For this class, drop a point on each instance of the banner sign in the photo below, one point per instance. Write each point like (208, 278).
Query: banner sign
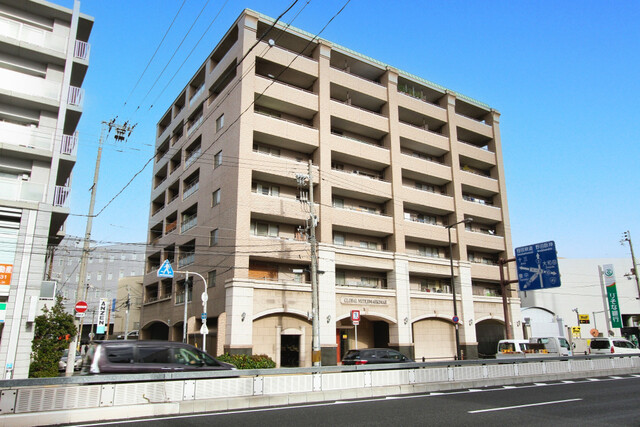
(5, 274)
(612, 296)
(102, 315)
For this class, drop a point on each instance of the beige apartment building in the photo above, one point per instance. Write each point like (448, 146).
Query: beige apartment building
(44, 56)
(394, 159)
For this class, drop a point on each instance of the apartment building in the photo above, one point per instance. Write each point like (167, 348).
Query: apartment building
(44, 56)
(394, 160)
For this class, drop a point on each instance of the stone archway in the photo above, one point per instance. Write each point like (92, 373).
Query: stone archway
(155, 331)
(434, 339)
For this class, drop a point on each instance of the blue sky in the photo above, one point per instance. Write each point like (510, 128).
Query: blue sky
(565, 77)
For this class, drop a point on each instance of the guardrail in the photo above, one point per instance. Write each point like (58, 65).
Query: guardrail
(92, 398)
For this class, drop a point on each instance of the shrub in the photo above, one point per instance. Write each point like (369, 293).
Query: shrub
(243, 361)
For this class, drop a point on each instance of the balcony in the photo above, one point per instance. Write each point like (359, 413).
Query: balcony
(186, 259)
(81, 50)
(353, 218)
(26, 136)
(193, 156)
(190, 189)
(481, 210)
(188, 223)
(76, 96)
(13, 189)
(416, 133)
(475, 180)
(479, 154)
(288, 58)
(61, 196)
(427, 198)
(69, 144)
(26, 34)
(23, 84)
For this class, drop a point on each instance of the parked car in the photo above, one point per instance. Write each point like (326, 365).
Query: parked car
(374, 355)
(520, 348)
(611, 345)
(119, 356)
(62, 364)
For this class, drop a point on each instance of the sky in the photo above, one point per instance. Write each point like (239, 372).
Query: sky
(563, 75)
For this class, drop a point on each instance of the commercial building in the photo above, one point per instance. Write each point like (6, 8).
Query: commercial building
(44, 57)
(107, 265)
(394, 159)
(579, 309)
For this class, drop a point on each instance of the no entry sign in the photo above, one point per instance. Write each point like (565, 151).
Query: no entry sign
(81, 307)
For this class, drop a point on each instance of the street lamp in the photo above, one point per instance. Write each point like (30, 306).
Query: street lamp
(453, 284)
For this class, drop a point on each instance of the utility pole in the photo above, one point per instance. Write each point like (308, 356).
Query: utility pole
(126, 321)
(626, 237)
(121, 130)
(316, 356)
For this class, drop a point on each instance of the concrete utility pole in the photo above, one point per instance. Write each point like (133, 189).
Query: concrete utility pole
(121, 130)
(126, 322)
(626, 237)
(316, 352)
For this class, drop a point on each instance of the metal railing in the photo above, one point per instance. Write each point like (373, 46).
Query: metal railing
(76, 96)
(81, 50)
(61, 196)
(69, 144)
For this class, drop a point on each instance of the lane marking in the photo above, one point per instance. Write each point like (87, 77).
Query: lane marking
(539, 384)
(509, 386)
(474, 390)
(568, 382)
(615, 378)
(593, 379)
(506, 408)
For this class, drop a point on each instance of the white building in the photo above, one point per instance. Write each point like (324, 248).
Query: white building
(582, 292)
(44, 56)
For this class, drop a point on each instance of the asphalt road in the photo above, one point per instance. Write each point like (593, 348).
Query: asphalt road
(608, 401)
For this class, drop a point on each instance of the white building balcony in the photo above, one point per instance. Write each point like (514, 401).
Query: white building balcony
(69, 144)
(82, 50)
(18, 190)
(76, 96)
(31, 35)
(24, 84)
(61, 196)
(26, 136)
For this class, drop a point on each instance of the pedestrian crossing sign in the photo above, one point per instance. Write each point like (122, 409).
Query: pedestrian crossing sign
(165, 269)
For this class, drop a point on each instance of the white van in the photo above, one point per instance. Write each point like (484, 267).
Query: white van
(557, 346)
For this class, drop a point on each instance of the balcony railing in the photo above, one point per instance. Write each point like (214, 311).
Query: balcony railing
(170, 226)
(31, 35)
(81, 50)
(193, 156)
(196, 95)
(186, 259)
(69, 144)
(26, 136)
(194, 124)
(76, 96)
(188, 223)
(14, 189)
(61, 196)
(190, 189)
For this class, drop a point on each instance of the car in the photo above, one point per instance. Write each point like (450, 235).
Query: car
(125, 357)
(612, 345)
(62, 364)
(367, 356)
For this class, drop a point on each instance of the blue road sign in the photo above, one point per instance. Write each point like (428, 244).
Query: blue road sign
(203, 316)
(165, 269)
(537, 266)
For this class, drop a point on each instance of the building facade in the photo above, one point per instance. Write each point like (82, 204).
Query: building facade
(393, 159)
(44, 58)
(107, 265)
(582, 292)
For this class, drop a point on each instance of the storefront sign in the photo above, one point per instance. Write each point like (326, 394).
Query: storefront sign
(584, 319)
(5, 274)
(612, 296)
(364, 301)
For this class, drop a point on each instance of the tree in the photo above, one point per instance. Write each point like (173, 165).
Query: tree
(54, 327)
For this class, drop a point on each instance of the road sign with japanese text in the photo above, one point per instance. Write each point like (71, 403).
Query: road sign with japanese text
(537, 266)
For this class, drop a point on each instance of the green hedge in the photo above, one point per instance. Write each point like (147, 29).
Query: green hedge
(242, 361)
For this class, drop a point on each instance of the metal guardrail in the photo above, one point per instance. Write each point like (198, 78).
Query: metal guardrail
(66, 399)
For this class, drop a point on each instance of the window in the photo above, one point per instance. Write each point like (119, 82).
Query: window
(109, 276)
(217, 159)
(219, 122)
(215, 198)
(264, 229)
(98, 276)
(428, 251)
(368, 245)
(425, 187)
(91, 260)
(338, 202)
(266, 189)
(264, 149)
(339, 239)
(111, 258)
(123, 257)
(213, 237)
(340, 278)
(121, 274)
(211, 279)
(88, 277)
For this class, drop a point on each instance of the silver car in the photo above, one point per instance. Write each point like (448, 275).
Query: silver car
(611, 345)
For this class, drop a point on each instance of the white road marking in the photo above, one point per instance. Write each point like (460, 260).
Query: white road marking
(592, 379)
(538, 384)
(568, 382)
(505, 408)
(509, 386)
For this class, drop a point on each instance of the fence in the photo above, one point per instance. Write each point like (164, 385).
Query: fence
(92, 398)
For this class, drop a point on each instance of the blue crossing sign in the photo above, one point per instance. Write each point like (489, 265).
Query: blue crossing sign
(165, 269)
(537, 266)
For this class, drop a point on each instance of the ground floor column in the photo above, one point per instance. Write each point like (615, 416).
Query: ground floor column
(327, 305)
(239, 318)
(400, 335)
(468, 340)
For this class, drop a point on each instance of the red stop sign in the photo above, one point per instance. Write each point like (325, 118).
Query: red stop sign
(81, 306)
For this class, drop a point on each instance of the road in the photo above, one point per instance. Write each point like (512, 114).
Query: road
(584, 402)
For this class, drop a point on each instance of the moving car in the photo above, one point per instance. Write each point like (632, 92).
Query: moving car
(611, 345)
(557, 346)
(374, 355)
(62, 364)
(126, 357)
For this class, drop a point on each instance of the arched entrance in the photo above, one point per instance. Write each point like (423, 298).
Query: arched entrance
(434, 339)
(372, 333)
(155, 331)
(285, 338)
(488, 333)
